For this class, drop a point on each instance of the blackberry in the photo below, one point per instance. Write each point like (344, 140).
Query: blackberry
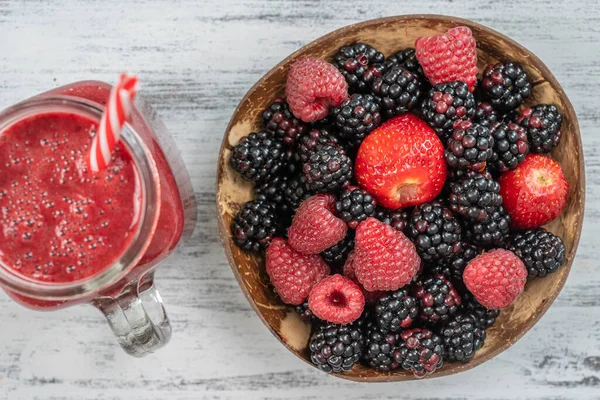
(296, 192)
(336, 348)
(446, 103)
(254, 226)
(475, 196)
(437, 298)
(399, 90)
(274, 191)
(506, 85)
(356, 117)
(421, 352)
(355, 205)
(542, 123)
(406, 59)
(486, 115)
(469, 146)
(360, 64)
(454, 267)
(337, 254)
(328, 169)
(258, 157)
(484, 318)
(492, 232)
(397, 219)
(396, 311)
(305, 312)
(541, 251)
(462, 338)
(380, 348)
(279, 121)
(308, 143)
(510, 147)
(435, 231)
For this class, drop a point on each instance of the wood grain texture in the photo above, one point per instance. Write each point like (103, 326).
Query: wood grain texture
(197, 59)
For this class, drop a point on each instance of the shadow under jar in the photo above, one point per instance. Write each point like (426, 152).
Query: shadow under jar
(70, 236)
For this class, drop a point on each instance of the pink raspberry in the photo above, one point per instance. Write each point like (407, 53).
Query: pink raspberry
(293, 274)
(315, 228)
(312, 87)
(348, 271)
(384, 258)
(495, 278)
(336, 299)
(449, 57)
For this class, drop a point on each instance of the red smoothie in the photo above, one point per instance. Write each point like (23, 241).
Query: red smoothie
(60, 222)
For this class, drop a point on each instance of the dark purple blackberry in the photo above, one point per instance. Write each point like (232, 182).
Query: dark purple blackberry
(461, 338)
(421, 352)
(305, 313)
(475, 196)
(454, 267)
(486, 115)
(328, 169)
(505, 85)
(356, 117)
(399, 91)
(255, 225)
(337, 254)
(492, 232)
(354, 205)
(541, 251)
(336, 348)
(406, 59)
(360, 64)
(446, 103)
(437, 298)
(279, 121)
(469, 146)
(396, 311)
(542, 123)
(307, 143)
(296, 192)
(273, 191)
(258, 157)
(510, 147)
(397, 219)
(435, 231)
(380, 348)
(484, 318)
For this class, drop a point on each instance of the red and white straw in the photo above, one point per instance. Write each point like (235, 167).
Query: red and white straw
(117, 112)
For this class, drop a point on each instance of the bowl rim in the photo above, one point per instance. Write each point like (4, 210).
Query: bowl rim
(545, 71)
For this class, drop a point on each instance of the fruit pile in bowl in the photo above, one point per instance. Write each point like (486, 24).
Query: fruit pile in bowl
(401, 196)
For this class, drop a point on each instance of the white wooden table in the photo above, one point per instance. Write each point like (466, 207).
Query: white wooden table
(196, 59)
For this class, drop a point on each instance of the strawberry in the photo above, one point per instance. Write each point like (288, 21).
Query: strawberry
(401, 163)
(535, 192)
(449, 57)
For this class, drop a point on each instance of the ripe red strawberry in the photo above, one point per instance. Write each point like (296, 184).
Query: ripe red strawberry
(312, 86)
(402, 163)
(449, 57)
(384, 259)
(336, 299)
(535, 192)
(495, 278)
(315, 227)
(293, 274)
(348, 271)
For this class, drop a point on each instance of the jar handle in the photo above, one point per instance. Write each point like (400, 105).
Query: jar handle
(137, 317)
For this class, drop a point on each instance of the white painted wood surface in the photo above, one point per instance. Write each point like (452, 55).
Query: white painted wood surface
(196, 59)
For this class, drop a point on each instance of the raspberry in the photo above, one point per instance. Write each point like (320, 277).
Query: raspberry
(312, 87)
(315, 228)
(495, 278)
(336, 299)
(449, 57)
(348, 270)
(384, 259)
(293, 274)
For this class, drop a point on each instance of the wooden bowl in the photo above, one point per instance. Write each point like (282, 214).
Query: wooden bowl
(389, 35)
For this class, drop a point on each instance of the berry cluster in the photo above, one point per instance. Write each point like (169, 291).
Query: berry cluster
(400, 237)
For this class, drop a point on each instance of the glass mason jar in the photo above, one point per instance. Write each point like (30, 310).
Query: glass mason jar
(123, 291)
